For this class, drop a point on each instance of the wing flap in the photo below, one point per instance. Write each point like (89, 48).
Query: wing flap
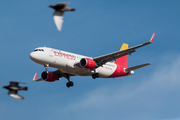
(112, 56)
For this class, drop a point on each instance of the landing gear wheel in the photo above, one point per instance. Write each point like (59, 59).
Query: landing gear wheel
(95, 75)
(69, 84)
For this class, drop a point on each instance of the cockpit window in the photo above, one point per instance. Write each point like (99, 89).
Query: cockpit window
(38, 50)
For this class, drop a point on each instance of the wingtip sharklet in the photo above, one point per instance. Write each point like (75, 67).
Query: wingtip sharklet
(35, 77)
(152, 38)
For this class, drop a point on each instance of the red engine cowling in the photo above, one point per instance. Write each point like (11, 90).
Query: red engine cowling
(87, 63)
(49, 77)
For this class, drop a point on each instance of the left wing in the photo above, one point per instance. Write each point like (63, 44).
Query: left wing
(113, 56)
(58, 73)
(35, 78)
(13, 93)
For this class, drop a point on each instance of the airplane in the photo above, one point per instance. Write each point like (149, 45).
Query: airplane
(60, 8)
(70, 64)
(14, 88)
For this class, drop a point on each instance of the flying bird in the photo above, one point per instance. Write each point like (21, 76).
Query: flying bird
(13, 89)
(60, 8)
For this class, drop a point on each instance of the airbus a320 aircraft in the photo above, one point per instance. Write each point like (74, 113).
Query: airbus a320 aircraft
(70, 64)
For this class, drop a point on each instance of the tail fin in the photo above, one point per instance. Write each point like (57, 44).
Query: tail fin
(123, 61)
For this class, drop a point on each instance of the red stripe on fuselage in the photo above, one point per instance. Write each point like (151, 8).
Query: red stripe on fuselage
(122, 64)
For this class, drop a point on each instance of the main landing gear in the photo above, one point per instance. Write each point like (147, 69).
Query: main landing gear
(95, 75)
(69, 83)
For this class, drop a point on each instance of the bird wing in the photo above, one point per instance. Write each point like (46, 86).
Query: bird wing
(62, 5)
(13, 93)
(14, 83)
(58, 19)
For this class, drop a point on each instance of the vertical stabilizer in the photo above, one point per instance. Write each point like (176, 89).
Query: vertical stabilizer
(123, 61)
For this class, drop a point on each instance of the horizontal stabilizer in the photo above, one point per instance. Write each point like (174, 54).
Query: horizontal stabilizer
(136, 67)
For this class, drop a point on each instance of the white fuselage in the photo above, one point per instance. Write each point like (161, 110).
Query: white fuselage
(68, 62)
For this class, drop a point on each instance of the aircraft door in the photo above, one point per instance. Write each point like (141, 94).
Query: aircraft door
(51, 53)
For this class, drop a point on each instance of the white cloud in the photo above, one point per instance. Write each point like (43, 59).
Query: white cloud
(156, 97)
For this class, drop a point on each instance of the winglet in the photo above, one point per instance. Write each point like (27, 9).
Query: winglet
(35, 77)
(152, 38)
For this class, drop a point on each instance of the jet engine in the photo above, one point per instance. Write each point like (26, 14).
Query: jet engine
(49, 77)
(87, 63)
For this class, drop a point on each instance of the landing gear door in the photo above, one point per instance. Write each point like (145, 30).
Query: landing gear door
(51, 53)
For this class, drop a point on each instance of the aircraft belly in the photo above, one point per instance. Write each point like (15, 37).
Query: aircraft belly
(105, 71)
(78, 71)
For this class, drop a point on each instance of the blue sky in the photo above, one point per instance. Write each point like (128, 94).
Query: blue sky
(95, 28)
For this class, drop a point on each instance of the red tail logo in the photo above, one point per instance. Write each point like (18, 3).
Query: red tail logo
(122, 63)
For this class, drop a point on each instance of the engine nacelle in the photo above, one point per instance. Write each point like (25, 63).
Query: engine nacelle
(49, 77)
(87, 63)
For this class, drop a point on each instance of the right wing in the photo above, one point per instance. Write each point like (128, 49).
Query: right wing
(113, 56)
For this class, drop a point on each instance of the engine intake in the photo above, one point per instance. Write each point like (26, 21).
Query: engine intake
(87, 63)
(49, 77)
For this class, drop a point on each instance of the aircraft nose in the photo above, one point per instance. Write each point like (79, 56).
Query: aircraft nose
(36, 57)
(33, 56)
